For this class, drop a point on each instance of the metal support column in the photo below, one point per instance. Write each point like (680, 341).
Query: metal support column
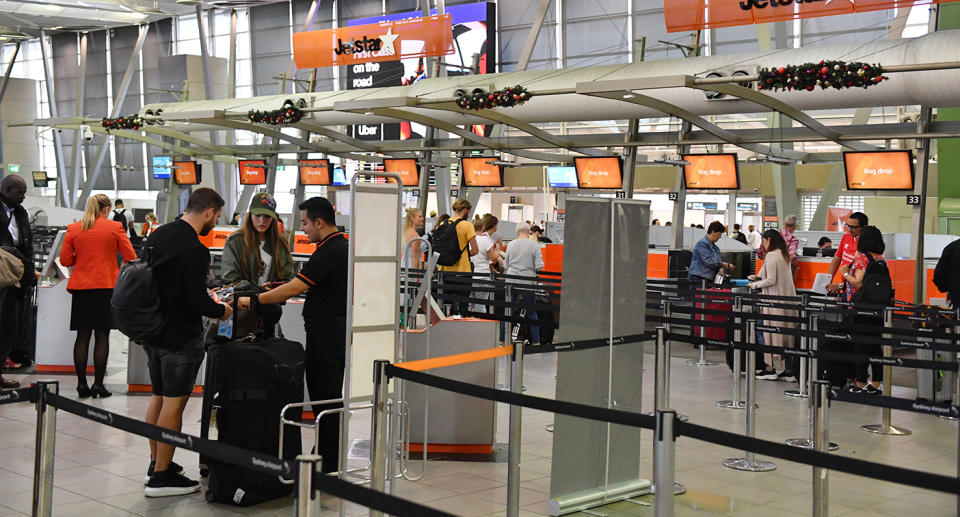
(44, 450)
(308, 504)
(62, 196)
(230, 190)
(94, 173)
(532, 35)
(516, 415)
(920, 212)
(630, 164)
(6, 73)
(77, 133)
(680, 205)
(218, 179)
(885, 426)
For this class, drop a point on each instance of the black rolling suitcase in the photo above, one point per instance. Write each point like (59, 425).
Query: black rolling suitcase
(247, 383)
(548, 320)
(24, 349)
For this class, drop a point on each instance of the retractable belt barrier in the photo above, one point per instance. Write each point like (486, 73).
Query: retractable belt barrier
(259, 462)
(895, 403)
(28, 394)
(858, 467)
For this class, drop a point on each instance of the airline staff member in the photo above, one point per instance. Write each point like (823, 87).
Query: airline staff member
(847, 249)
(324, 278)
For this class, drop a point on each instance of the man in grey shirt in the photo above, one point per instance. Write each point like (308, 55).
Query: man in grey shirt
(524, 259)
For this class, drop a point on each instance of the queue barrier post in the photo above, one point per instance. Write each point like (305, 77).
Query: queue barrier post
(378, 437)
(665, 400)
(886, 425)
(735, 402)
(307, 503)
(813, 344)
(661, 402)
(702, 360)
(664, 457)
(821, 439)
(513, 447)
(804, 361)
(749, 462)
(44, 450)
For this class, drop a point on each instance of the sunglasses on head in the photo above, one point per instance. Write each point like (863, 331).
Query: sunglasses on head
(852, 227)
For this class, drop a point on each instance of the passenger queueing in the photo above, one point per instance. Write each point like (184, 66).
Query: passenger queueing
(485, 260)
(412, 220)
(16, 237)
(467, 239)
(776, 278)
(706, 261)
(258, 251)
(180, 265)
(791, 240)
(946, 276)
(524, 259)
(324, 279)
(91, 247)
(870, 248)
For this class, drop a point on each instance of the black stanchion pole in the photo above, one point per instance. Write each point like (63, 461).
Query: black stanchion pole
(307, 503)
(44, 450)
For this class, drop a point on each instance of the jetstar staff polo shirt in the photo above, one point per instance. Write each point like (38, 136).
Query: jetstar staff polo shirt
(326, 274)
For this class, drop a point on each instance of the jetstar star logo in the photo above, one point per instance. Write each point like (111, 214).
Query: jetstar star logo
(357, 46)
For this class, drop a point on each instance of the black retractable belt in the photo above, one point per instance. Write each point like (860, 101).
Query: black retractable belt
(902, 404)
(28, 394)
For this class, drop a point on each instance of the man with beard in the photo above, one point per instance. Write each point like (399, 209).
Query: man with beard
(180, 265)
(17, 238)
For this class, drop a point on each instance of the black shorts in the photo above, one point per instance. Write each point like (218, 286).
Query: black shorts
(174, 372)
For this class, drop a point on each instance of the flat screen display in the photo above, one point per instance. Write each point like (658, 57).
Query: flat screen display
(878, 170)
(186, 173)
(407, 168)
(40, 178)
(162, 165)
(478, 173)
(603, 172)
(562, 177)
(340, 177)
(711, 172)
(253, 172)
(314, 172)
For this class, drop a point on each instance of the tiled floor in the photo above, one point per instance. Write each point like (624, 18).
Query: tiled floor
(99, 470)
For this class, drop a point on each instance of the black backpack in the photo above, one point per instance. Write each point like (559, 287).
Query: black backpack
(118, 216)
(445, 242)
(877, 288)
(135, 303)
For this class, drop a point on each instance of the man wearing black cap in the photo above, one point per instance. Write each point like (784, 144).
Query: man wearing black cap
(324, 278)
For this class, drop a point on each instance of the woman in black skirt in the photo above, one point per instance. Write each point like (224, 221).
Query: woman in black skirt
(91, 246)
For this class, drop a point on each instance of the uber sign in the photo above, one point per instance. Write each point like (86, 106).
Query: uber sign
(729, 72)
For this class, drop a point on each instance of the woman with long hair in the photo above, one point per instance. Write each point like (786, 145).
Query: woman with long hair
(776, 278)
(411, 221)
(485, 260)
(91, 247)
(257, 252)
(870, 248)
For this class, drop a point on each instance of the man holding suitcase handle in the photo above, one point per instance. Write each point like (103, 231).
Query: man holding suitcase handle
(324, 279)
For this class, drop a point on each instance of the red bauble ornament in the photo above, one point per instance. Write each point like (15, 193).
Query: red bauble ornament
(824, 70)
(781, 70)
(809, 88)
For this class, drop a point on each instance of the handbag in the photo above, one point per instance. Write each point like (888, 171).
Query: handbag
(11, 268)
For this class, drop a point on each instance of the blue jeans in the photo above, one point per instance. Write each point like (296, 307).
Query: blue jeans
(529, 298)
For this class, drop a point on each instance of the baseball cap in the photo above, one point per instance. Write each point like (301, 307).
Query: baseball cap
(263, 204)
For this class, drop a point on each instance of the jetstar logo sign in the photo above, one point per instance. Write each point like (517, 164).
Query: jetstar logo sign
(385, 41)
(746, 5)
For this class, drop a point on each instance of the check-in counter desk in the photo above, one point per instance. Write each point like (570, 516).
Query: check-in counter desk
(457, 423)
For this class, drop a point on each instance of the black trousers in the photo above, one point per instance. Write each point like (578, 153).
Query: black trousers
(11, 307)
(324, 371)
(871, 349)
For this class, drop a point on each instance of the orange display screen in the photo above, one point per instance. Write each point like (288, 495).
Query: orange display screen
(186, 173)
(314, 172)
(605, 172)
(253, 172)
(478, 173)
(384, 41)
(407, 168)
(711, 172)
(879, 170)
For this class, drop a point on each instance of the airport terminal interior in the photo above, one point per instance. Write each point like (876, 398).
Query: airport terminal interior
(435, 258)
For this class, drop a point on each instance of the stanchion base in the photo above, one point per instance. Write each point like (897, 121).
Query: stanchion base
(697, 362)
(678, 489)
(881, 429)
(951, 418)
(743, 464)
(729, 404)
(806, 443)
(795, 393)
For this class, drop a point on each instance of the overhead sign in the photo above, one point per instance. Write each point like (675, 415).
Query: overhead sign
(701, 205)
(603, 172)
(478, 173)
(385, 41)
(314, 172)
(253, 172)
(878, 170)
(692, 15)
(748, 207)
(407, 168)
(912, 199)
(186, 173)
(711, 172)
(13, 167)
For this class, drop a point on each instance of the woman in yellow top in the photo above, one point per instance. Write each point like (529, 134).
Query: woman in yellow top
(467, 238)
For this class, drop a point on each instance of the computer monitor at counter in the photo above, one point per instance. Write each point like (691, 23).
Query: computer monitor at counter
(818, 252)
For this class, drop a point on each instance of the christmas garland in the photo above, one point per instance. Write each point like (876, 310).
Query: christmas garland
(289, 113)
(825, 74)
(133, 122)
(479, 99)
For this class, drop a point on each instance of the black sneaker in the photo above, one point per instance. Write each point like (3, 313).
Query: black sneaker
(164, 483)
(787, 376)
(855, 389)
(174, 467)
(766, 375)
(869, 389)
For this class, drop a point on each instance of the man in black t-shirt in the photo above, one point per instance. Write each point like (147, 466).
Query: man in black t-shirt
(324, 278)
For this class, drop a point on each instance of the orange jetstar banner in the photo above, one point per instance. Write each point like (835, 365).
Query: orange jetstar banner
(711, 171)
(879, 170)
(691, 15)
(384, 41)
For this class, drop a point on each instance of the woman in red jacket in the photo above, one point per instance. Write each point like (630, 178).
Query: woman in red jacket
(91, 247)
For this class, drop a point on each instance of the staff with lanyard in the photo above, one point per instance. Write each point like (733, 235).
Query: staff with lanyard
(324, 279)
(847, 251)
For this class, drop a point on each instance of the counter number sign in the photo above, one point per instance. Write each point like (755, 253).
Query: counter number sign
(673, 196)
(913, 200)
